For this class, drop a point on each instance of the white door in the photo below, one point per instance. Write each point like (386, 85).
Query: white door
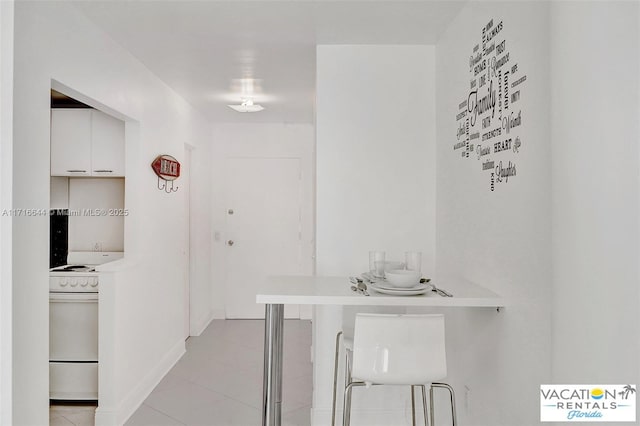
(264, 229)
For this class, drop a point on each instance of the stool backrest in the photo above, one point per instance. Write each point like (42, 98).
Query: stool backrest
(399, 349)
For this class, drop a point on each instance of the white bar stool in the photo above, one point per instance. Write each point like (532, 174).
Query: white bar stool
(397, 350)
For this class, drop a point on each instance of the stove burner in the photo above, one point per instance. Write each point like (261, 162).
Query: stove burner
(75, 268)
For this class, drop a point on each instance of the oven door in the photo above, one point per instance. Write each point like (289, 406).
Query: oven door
(73, 327)
(73, 346)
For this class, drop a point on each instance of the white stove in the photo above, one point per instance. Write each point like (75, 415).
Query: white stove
(73, 326)
(79, 275)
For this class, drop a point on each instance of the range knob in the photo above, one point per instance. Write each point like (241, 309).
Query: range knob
(63, 282)
(74, 282)
(94, 282)
(84, 282)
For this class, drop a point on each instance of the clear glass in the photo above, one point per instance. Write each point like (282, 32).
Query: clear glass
(413, 260)
(376, 263)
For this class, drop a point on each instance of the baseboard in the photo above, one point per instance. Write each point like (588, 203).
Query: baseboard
(132, 401)
(201, 324)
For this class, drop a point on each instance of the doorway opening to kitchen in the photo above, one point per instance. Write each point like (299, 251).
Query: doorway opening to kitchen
(86, 229)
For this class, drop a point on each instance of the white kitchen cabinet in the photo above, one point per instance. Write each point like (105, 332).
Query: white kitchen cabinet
(107, 145)
(86, 142)
(70, 142)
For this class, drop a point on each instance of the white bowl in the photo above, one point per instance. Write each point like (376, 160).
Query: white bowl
(402, 278)
(390, 265)
(383, 266)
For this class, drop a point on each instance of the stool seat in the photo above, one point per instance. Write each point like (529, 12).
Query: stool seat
(395, 350)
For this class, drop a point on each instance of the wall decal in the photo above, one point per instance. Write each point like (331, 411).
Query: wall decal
(489, 120)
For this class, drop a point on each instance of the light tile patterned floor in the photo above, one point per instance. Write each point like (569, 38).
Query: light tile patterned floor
(218, 382)
(70, 414)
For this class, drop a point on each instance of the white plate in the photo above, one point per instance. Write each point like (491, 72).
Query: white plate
(398, 292)
(370, 277)
(382, 282)
(386, 286)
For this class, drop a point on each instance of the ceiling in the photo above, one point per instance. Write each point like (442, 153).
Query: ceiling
(210, 52)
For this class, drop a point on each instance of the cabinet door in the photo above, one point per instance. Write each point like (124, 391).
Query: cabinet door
(107, 152)
(70, 142)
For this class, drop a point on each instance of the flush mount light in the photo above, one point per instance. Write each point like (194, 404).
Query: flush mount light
(247, 105)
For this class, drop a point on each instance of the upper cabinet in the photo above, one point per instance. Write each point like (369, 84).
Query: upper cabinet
(71, 142)
(86, 142)
(107, 145)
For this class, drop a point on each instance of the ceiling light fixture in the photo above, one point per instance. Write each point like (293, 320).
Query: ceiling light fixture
(247, 105)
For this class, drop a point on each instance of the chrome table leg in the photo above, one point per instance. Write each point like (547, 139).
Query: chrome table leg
(272, 379)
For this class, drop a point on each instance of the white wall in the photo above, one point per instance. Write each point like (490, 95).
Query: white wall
(101, 233)
(499, 239)
(53, 41)
(375, 172)
(295, 140)
(595, 134)
(6, 179)
(375, 129)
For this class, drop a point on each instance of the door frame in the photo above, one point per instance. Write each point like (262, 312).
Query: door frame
(187, 329)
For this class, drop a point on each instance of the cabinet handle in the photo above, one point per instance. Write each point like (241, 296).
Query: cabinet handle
(103, 171)
(77, 171)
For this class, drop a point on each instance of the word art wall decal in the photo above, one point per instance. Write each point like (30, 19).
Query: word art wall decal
(489, 118)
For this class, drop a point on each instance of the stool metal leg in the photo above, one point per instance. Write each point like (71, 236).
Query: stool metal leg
(413, 405)
(335, 379)
(348, 384)
(346, 418)
(346, 415)
(452, 396)
(424, 404)
(431, 404)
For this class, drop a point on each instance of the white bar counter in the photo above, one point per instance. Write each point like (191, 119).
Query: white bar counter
(336, 291)
(306, 290)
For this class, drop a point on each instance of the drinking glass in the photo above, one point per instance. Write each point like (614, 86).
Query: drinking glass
(413, 260)
(376, 263)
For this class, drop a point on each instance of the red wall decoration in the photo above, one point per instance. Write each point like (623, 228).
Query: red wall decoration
(167, 168)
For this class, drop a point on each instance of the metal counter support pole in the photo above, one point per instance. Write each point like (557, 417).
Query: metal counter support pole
(272, 380)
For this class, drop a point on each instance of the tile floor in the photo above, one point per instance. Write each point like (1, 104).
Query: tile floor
(218, 382)
(67, 414)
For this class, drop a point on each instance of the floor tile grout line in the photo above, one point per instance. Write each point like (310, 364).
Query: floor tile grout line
(73, 423)
(164, 414)
(242, 402)
(305, 403)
